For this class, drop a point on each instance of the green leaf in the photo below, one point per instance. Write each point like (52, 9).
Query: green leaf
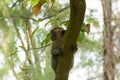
(51, 20)
(39, 20)
(45, 1)
(46, 40)
(65, 23)
(34, 2)
(53, 1)
(21, 47)
(14, 52)
(35, 31)
(81, 36)
(83, 27)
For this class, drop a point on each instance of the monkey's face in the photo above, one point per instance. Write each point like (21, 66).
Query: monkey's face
(57, 33)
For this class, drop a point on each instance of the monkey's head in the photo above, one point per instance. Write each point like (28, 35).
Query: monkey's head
(57, 33)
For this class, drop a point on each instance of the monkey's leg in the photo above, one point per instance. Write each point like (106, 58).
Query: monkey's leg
(54, 62)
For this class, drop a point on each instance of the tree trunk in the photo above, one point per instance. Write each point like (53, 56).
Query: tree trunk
(109, 57)
(65, 62)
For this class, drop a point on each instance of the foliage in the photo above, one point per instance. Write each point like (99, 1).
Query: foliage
(25, 38)
(90, 20)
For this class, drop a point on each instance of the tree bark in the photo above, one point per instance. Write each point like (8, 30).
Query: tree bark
(109, 57)
(65, 62)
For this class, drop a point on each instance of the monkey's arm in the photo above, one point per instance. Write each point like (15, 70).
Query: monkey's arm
(57, 51)
(74, 48)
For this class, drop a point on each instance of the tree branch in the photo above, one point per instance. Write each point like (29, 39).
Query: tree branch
(59, 11)
(28, 17)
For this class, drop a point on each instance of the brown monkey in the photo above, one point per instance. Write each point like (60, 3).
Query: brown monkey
(57, 44)
(57, 35)
(57, 40)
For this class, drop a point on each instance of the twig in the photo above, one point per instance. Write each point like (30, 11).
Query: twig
(18, 16)
(20, 37)
(14, 4)
(59, 11)
(40, 47)
(27, 17)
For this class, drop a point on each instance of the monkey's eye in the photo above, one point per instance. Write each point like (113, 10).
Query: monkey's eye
(53, 36)
(63, 32)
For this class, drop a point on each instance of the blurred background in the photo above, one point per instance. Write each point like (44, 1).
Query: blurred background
(25, 39)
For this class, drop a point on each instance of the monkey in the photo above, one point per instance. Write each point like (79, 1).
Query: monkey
(57, 35)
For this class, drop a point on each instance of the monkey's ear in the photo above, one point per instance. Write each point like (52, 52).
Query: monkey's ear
(51, 31)
(63, 32)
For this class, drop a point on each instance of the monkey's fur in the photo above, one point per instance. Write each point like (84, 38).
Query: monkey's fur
(57, 35)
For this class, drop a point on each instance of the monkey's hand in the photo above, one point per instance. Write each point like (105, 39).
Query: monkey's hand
(57, 51)
(74, 48)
